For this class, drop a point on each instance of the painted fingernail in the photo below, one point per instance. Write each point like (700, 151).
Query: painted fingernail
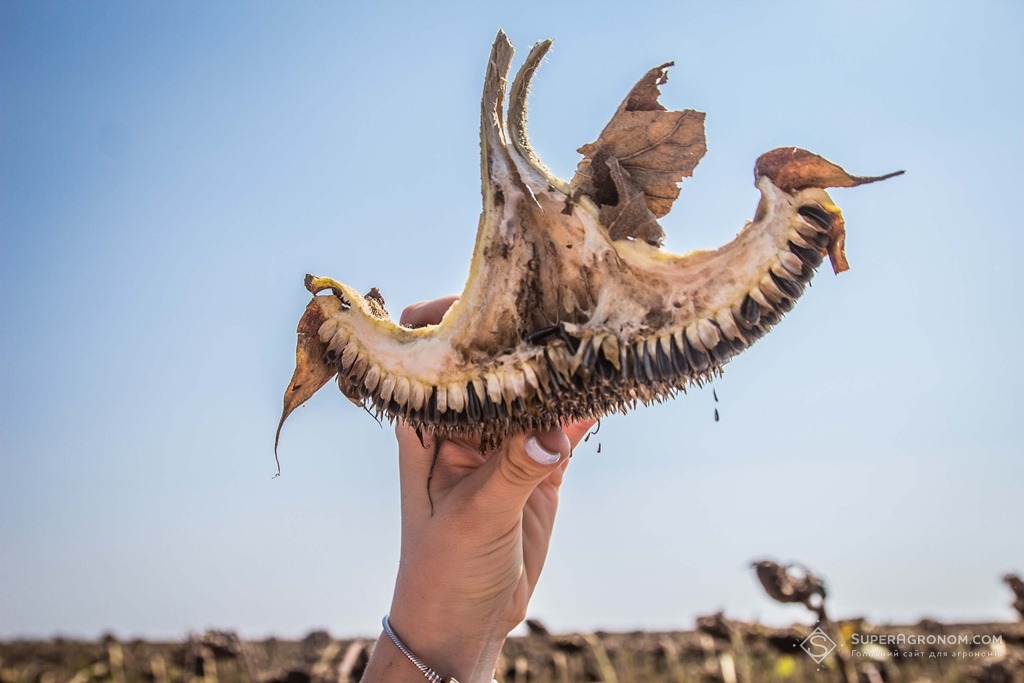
(539, 453)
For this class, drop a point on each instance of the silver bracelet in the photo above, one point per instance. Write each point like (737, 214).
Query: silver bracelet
(431, 675)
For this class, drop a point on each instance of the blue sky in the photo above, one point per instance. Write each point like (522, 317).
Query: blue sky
(170, 171)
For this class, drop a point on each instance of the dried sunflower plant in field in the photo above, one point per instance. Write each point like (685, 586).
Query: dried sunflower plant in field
(572, 309)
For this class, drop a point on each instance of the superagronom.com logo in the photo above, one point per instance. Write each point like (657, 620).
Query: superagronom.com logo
(818, 646)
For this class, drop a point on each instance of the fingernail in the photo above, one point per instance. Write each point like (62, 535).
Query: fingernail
(539, 453)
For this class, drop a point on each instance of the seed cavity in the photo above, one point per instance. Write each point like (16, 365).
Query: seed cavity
(696, 356)
(792, 264)
(708, 333)
(788, 287)
(402, 389)
(328, 330)
(809, 256)
(817, 215)
(750, 311)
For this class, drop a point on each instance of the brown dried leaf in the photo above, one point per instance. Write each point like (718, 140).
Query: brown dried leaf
(656, 147)
(793, 169)
(630, 216)
(312, 370)
(836, 249)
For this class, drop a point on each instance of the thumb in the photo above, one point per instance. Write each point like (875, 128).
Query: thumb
(523, 462)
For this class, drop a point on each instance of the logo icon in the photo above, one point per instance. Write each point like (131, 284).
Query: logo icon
(818, 645)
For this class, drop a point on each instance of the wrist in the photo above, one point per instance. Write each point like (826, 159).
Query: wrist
(457, 618)
(449, 646)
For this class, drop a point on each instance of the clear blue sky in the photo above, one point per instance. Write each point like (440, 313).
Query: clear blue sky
(169, 171)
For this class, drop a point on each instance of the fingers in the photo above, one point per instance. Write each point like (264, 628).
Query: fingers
(429, 467)
(414, 457)
(510, 476)
(426, 312)
(506, 478)
(538, 521)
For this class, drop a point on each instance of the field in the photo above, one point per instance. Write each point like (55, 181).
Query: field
(719, 650)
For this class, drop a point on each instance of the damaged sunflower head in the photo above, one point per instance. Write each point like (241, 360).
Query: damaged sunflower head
(572, 310)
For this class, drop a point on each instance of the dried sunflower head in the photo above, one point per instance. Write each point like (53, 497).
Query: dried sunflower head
(572, 310)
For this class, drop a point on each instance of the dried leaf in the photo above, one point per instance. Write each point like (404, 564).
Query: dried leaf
(312, 370)
(836, 249)
(630, 216)
(656, 147)
(793, 169)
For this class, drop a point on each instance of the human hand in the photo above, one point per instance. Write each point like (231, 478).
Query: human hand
(473, 546)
